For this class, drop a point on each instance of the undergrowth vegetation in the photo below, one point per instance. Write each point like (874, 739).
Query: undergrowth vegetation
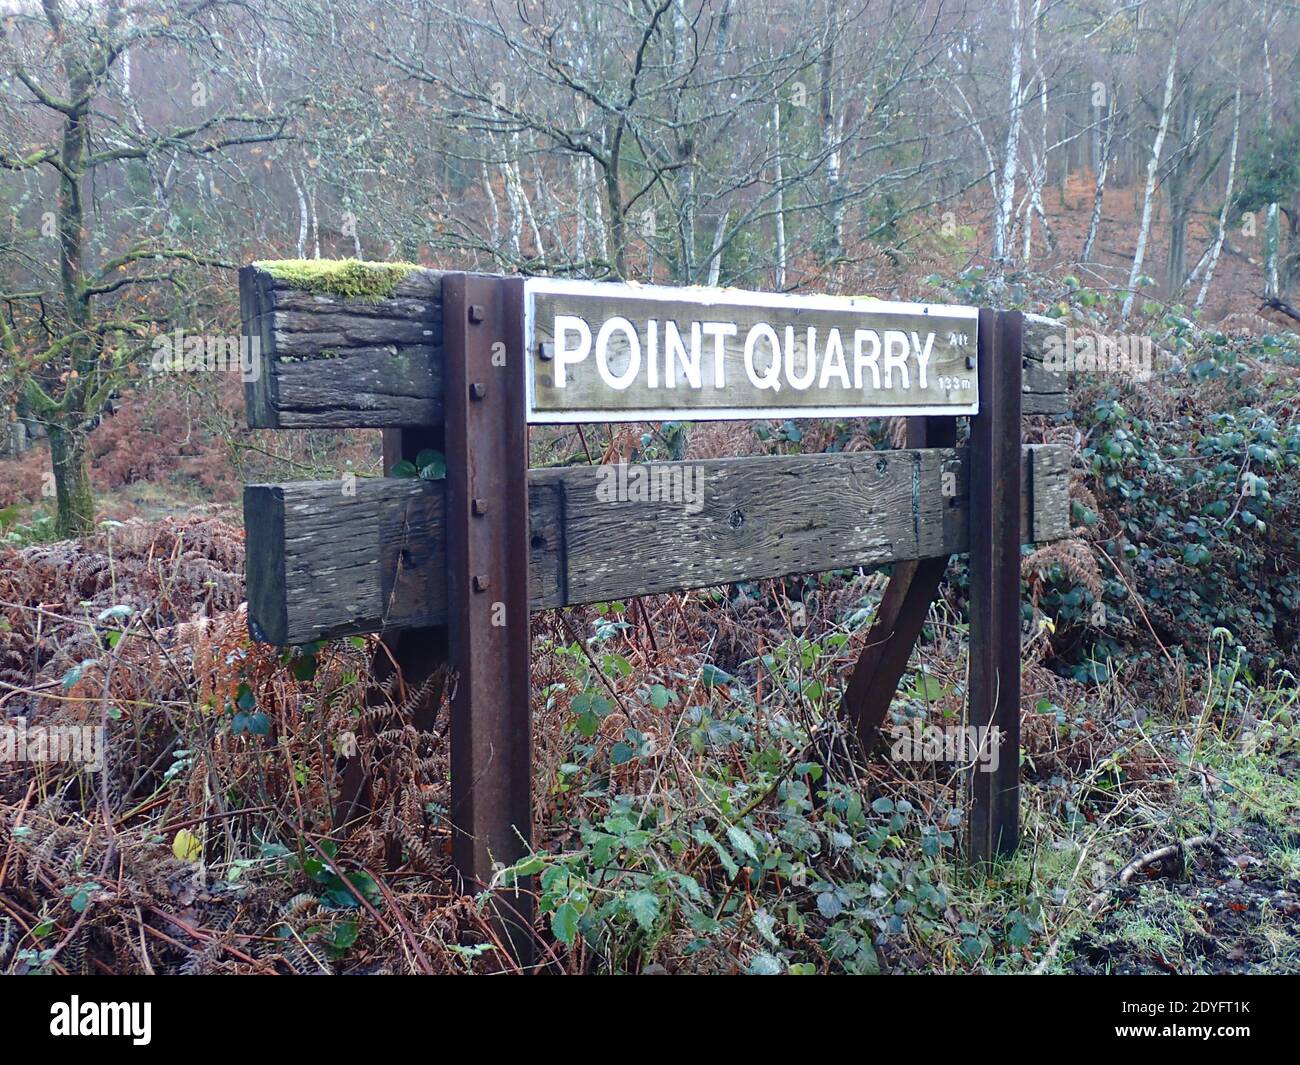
(699, 807)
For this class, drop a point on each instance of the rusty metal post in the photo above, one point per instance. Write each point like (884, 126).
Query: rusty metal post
(994, 687)
(487, 585)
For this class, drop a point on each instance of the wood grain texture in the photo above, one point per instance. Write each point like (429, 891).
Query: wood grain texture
(913, 586)
(1043, 391)
(328, 362)
(1046, 472)
(377, 560)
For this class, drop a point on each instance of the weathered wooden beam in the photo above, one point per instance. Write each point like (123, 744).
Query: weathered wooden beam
(328, 361)
(376, 559)
(913, 586)
(331, 361)
(1043, 391)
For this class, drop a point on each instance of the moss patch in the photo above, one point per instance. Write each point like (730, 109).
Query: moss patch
(350, 278)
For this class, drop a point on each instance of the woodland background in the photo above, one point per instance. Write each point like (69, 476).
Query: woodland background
(1130, 167)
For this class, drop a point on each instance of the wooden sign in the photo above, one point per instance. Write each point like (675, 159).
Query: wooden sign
(604, 352)
(449, 570)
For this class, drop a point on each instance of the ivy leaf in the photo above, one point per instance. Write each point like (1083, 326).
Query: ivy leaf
(79, 895)
(431, 464)
(742, 842)
(971, 948)
(711, 676)
(1019, 934)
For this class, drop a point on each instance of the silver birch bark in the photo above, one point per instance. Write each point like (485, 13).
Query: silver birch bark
(779, 218)
(1148, 198)
(1011, 150)
(1217, 247)
(1099, 188)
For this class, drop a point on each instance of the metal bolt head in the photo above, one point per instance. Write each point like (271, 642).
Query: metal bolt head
(478, 390)
(476, 312)
(970, 362)
(481, 582)
(479, 506)
(546, 351)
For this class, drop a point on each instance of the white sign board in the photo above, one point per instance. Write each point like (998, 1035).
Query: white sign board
(616, 352)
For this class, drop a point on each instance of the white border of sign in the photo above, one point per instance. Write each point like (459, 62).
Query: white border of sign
(710, 297)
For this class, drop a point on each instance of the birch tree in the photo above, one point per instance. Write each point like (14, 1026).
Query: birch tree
(1006, 189)
(1153, 164)
(1210, 258)
(1106, 139)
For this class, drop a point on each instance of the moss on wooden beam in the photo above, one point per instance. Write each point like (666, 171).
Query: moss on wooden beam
(348, 278)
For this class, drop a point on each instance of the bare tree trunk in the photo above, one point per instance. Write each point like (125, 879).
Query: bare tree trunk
(1179, 191)
(684, 178)
(16, 441)
(302, 214)
(315, 220)
(356, 232)
(1148, 199)
(1217, 247)
(830, 143)
(156, 179)
(494, 223)
(1272, 286)
(1272, 241)
(598, 206)
(74, 499)
(580, 214)
(715, 257)
(778, 279)
(516, 214)
(1011, 152)
(519, 198)
(617, 221)
(529, 216)
(1099, 188)
(1038, 176)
